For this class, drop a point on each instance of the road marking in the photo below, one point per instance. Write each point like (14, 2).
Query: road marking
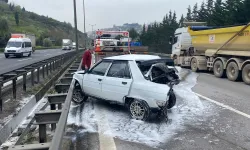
(106, 142)
(24, 59)
(224, 106)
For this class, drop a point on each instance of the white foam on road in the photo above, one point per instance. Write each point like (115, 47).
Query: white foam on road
(118, 124)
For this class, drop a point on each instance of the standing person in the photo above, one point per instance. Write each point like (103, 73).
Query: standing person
(87, 59)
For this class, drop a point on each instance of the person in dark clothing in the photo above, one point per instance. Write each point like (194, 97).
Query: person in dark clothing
(87, 59)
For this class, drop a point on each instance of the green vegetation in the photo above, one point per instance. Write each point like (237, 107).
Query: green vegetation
(18, 20)
(214, 12)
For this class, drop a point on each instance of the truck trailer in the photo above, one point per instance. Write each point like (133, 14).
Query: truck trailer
(223, 50)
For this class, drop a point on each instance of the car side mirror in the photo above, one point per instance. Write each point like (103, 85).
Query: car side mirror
(170, 40)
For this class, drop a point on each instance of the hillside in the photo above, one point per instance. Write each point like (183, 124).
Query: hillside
(41, 26)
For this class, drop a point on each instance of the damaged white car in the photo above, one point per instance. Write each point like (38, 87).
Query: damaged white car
(143, 83)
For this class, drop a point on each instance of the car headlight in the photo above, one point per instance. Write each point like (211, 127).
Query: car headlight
(160, 103)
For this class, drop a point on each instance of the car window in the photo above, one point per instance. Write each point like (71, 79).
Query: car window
(119, 69)
(100, 69)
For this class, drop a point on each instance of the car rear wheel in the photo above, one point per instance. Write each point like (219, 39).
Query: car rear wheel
(139, 110)
(78, 95)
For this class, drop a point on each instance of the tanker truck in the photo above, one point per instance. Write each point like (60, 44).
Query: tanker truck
(223, 50)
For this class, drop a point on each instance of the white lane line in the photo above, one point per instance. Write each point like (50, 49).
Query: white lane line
(224, 106)
(106, 142)
(24, 59)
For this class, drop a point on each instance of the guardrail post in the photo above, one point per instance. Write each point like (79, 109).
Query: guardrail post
(42, 133)
(1, 100)
(14, 87)
(32, 77)
(59, 106)
(24, 82)
(47, 69)
(38, 74)
(50, 67)
(53, 107)
(43, 71)
(53, 65)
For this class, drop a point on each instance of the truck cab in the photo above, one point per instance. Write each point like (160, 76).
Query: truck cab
(180, 42)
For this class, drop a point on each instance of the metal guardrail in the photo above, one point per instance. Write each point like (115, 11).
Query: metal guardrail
(45, 67)
(57, 118)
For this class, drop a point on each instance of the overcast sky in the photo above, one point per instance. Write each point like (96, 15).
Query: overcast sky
(106, 13)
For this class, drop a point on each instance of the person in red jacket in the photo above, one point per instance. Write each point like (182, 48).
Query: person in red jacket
(87, 59)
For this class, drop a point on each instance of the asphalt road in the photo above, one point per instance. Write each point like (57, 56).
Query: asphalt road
(217, 119)
(12, 63)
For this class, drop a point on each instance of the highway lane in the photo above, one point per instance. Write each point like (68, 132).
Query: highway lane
(12, 63)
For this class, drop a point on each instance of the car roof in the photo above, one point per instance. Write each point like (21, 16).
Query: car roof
(136, 57)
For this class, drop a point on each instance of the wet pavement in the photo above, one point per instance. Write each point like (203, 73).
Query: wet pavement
(194, 123)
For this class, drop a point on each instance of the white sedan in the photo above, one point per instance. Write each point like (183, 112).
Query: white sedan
(143, 83)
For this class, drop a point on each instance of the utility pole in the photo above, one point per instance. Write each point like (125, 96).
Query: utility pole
(85, 24)
(92, 29)
(76, 30)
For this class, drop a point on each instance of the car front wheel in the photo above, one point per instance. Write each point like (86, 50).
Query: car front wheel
(139, 110)
(78, 95)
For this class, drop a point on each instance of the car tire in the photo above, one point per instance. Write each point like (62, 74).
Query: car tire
(137, 114)
(171, 100)
(78, 95)
(6, 56)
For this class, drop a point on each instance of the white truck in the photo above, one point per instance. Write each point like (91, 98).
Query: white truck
(223, 50)
(67, 44)
(20, 45)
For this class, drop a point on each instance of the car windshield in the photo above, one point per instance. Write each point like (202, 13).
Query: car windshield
(14, 44)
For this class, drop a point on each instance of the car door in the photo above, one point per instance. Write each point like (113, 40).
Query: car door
(116, 83)
(92, 81)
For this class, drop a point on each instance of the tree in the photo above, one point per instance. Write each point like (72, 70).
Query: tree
(6, 1)
(189, 13)
(195, 12)
(17, 18)
(133, 33)
(181, 21)
(23, 9)
(4, 31)
(47, 42)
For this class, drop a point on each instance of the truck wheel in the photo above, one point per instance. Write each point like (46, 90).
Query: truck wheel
(246, 74)
(219, 69)
(233, 71)
(171, 101)
(194, 65)
(139, 110)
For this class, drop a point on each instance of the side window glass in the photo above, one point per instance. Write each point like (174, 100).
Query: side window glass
(175, 39)
(100, 69)
(119, 69)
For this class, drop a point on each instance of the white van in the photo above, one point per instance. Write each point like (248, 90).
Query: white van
(18, 47)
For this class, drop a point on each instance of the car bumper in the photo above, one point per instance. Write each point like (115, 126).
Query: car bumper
(12, 53)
